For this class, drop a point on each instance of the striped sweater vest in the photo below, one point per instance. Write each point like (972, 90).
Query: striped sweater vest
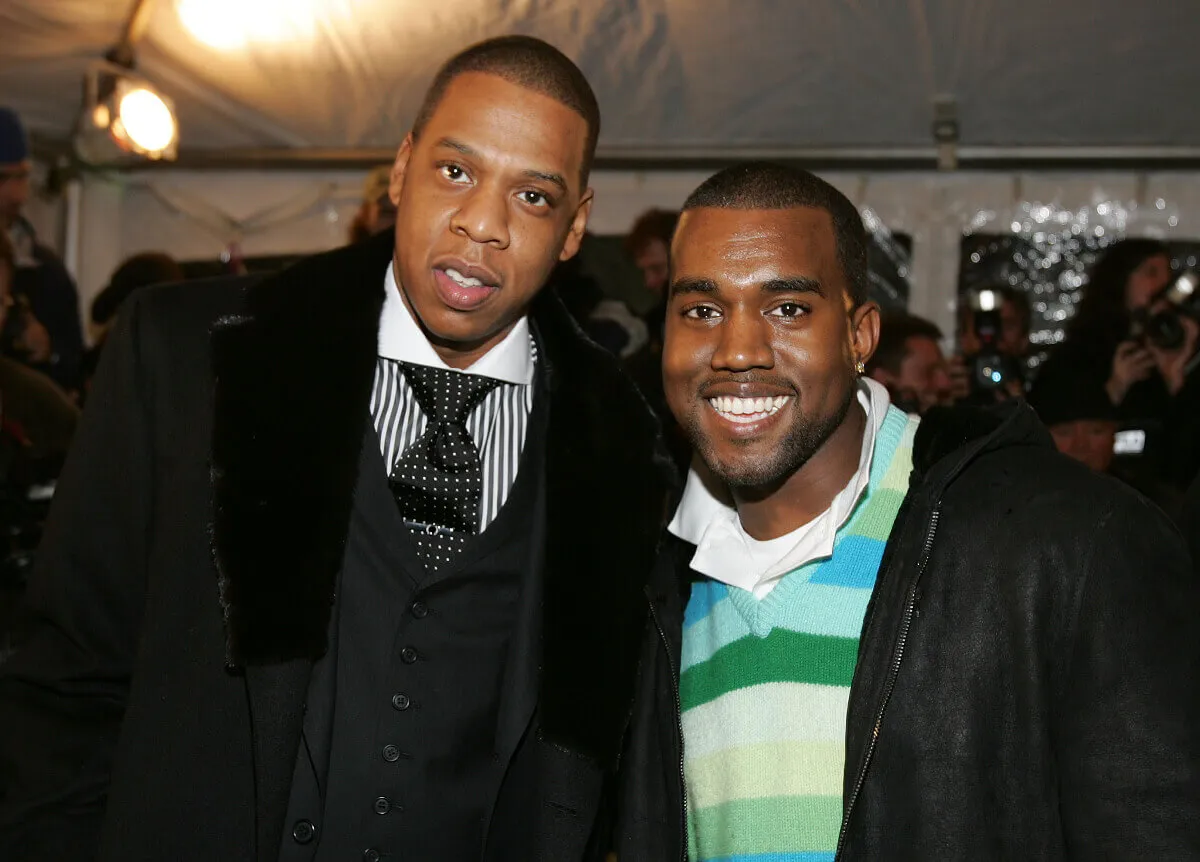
(765, 685)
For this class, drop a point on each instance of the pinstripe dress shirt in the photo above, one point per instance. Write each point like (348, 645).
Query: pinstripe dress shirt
(497, 425)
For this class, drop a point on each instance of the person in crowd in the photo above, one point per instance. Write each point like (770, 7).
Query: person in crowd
(35, 411)
(1016, 319)
(350, 561)
(605, 320)
(908, 362)
(44, 329)
(376, 213)
(1084, 422)
(1007, 341)
(134, 273)
(1122, 283)
(647, 244)
(1153, 385)
(891, 636)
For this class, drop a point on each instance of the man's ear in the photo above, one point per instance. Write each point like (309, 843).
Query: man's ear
(864, 331)
(578, 227)
(400, 169)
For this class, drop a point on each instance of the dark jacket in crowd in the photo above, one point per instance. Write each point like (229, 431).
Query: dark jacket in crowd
(38, 408)
(1026, 685)
(154, 710)
(54, 301)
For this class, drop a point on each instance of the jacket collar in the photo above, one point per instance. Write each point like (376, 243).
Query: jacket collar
(293, 380)
(950, 438)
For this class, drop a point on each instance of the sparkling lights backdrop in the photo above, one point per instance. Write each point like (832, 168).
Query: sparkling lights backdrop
(1046, 250)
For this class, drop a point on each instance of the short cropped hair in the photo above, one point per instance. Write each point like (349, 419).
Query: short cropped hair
(526, 62)
(895, 329)
(651, 225)
(767, 186)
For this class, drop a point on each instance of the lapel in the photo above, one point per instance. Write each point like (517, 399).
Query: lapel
(607, 482)
(292, 378)
(291, 404)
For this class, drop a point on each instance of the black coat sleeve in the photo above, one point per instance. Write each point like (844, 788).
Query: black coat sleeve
(1127, 732)
(63, 692)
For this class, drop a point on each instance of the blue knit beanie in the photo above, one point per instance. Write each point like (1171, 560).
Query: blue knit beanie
(14, 145)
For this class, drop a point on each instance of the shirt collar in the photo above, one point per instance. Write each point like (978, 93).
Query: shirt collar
(401, 339)
(707, 517)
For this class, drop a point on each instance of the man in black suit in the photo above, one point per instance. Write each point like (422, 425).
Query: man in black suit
(350, 562)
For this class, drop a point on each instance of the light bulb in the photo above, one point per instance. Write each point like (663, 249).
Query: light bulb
(147, 120)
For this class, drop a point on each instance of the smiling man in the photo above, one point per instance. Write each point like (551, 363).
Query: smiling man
(886, 638)
(349, 562)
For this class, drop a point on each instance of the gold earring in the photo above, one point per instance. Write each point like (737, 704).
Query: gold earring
(860, 368)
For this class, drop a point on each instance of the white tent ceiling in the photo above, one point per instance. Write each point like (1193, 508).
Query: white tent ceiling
(675, 78)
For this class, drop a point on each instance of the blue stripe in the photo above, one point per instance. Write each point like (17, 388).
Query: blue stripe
(855, 563)
(705, 594)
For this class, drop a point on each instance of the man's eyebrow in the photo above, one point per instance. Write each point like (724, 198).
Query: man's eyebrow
(454, 144)
(693, 285)
(467, 150)
(556, 179)
(794, 284)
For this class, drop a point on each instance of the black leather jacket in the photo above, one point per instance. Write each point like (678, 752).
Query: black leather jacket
(1028, 679)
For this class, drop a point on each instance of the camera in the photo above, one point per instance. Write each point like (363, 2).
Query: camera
(1161, 322)
(990, 369)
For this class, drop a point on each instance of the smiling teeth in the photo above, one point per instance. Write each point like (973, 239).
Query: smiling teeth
(462, 279)
(748, 409)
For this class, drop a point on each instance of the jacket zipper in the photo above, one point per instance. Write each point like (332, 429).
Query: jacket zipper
(679, 726)
(893, 672)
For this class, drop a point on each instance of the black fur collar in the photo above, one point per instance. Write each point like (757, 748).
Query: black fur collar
(293, 380)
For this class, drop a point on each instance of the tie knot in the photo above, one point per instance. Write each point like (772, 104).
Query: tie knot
(446, 396)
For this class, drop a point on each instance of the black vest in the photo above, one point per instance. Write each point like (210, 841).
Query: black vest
(398, 759)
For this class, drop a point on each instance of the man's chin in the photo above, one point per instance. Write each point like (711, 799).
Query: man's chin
(743, 465)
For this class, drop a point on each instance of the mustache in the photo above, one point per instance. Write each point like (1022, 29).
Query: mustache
(749, 378)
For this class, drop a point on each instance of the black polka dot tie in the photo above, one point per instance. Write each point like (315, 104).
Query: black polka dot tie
(439, 479)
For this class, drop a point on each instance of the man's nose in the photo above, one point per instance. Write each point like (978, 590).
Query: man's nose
(745, 343)
(483, 217)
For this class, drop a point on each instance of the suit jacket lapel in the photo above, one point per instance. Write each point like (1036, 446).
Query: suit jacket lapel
(292, 386)
(607, 481)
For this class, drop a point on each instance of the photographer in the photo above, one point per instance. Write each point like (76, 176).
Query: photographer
(1171, 333)
(993, 345)
(1120, 287)
(1137, 328)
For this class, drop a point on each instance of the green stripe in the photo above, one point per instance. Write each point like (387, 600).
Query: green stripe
(807, 768)
(781, 824)
(782, 656)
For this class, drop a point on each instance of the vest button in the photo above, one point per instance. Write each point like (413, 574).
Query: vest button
(370, 855)
(382, 805)
(420, 610)
(391, 753)
(408, 655)
(401, 702)
(303, 832)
